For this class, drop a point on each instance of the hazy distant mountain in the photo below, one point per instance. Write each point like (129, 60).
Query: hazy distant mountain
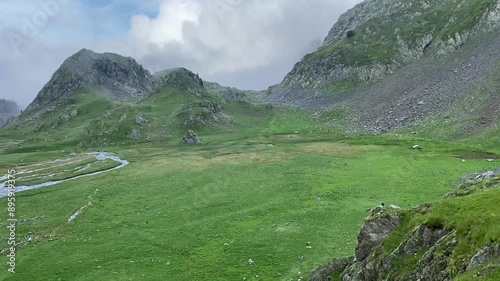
(8, 110)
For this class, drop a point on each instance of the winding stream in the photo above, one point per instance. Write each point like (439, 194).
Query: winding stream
(100, 156)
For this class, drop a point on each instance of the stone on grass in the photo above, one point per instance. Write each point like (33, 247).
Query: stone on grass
(135, 134)
(191, 137)
(65, 117)
(140, 121)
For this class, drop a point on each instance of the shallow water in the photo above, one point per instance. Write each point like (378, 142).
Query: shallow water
(100, 156)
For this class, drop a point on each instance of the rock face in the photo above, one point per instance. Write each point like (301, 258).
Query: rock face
(373, 231)
(117, 77)
(484, 255)
(377, 37)
(422, 244)
(424, 236)
(325, 272)
(135, 134)
(431, 243)
(473, 183)
(191, 138)
(140, 121)
(8, 111)
(201, 114)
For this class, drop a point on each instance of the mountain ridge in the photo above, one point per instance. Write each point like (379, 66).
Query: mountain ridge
(457, 88)
(106, 98)
(377, 37)
(335, 77)
(117, 77)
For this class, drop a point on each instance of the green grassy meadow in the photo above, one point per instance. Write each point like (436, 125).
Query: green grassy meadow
(200, 213)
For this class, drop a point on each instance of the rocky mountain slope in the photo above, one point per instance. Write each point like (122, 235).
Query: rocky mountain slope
(377, 37)
(114, 76)
(441, 241)
(8, 111)
(387, 65)
(107, 99)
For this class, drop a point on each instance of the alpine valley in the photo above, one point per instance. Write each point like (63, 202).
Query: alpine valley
(376, 158)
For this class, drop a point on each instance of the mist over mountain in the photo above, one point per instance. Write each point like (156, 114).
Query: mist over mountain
(8, 111)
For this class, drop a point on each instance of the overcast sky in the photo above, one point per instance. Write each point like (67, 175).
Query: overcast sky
(249, 44)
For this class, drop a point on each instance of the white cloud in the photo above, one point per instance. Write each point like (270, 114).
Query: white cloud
(242, 43)
(168, 26)
(228, 36)
(221, 37)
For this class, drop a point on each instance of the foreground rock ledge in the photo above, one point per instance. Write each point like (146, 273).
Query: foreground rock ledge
(434, 240)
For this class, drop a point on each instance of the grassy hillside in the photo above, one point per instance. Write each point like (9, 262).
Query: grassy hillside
(86, 119)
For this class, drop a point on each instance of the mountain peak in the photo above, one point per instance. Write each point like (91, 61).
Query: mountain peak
(85, 51)
(114, 76)
(179, 76)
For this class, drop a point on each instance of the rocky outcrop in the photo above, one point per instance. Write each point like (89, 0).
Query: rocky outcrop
(135, 134)
(427, 252)
(378, 227)
(473, 183)
(8, 111)
(190, 138)
(140, 121)
(372, 263)
(424, 236)
(435, 265)
(486, 254)
(325, 272)
(200, 114)
(64, 117)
